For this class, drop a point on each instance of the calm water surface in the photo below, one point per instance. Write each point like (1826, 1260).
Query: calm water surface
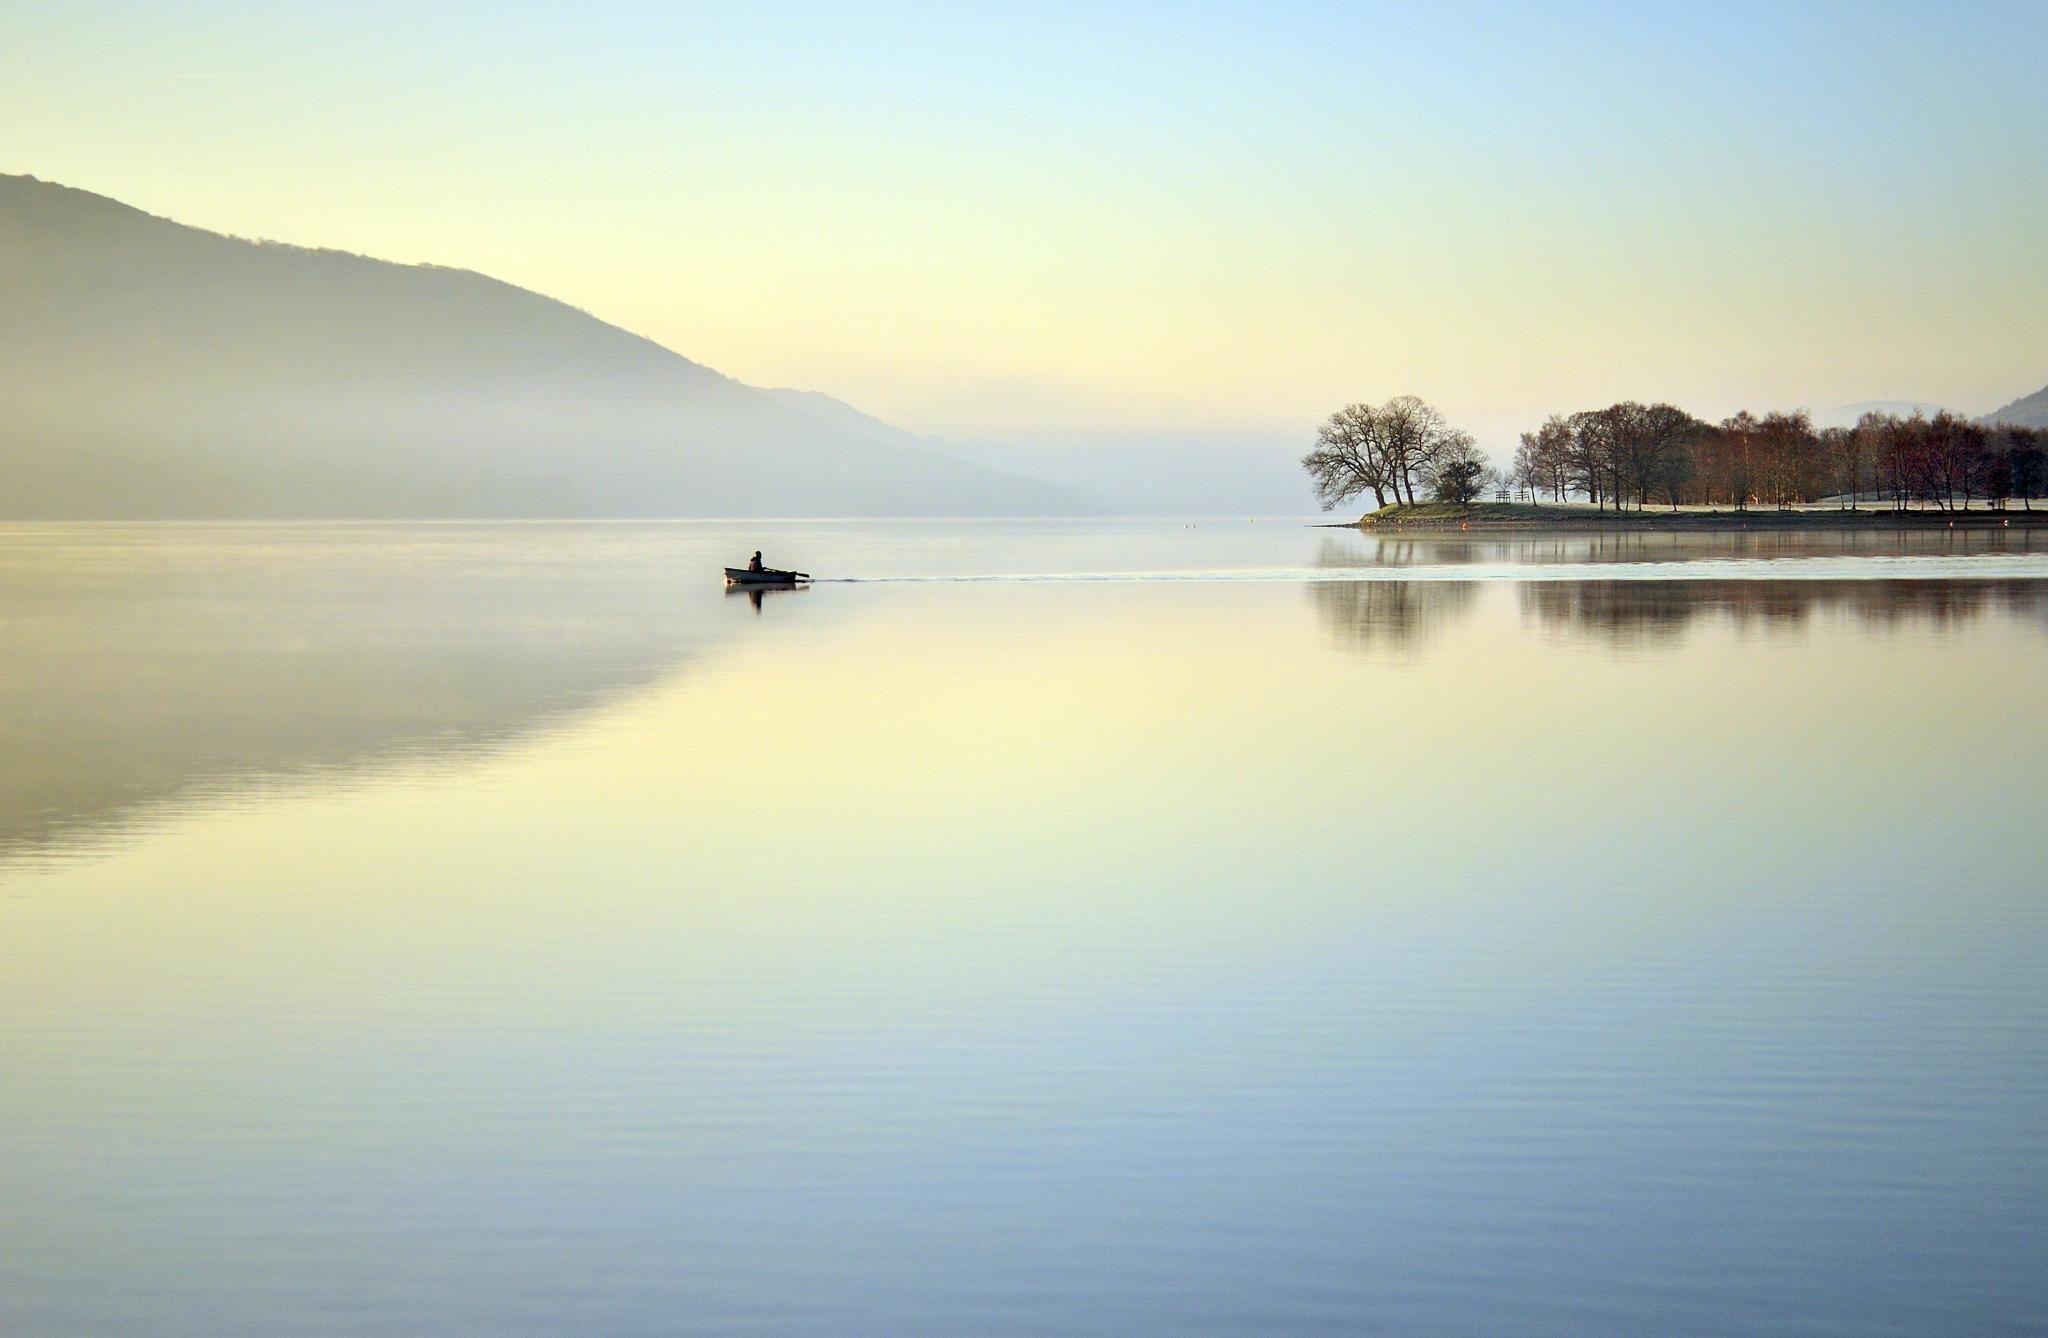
(501, 930)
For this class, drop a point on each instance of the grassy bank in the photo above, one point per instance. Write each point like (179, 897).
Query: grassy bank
(1583, 516)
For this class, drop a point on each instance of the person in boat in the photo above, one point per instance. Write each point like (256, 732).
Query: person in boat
(754, 562)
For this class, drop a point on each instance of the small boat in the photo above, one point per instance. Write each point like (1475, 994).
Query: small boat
(765, 576)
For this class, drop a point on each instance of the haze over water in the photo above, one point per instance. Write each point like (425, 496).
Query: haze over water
(500, 929)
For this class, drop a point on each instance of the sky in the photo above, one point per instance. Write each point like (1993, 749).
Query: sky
(1109, 222)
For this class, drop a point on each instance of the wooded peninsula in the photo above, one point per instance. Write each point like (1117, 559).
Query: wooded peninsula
(1657, 466)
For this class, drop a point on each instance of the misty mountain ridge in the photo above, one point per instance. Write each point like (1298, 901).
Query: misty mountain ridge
(2026, 411)
(149, 369)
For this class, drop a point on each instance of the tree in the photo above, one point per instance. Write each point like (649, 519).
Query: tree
(1633, 444)
(1461, 471)
(1350, 458)
(1634, 451)
(1739, 437)
(1785, 449)
(1951, 457)
(1896, 452)
(1631, 452)
(1590, 455)
(1867, 446)
(1995, 475)
(1666, 445)
(1550, 447)
(1527, 473)
(2027, 449)
(1417, 439)
(1383, 449)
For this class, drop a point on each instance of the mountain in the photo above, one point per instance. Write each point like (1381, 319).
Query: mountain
(148, 369)
(2026, 411)
(816, 404)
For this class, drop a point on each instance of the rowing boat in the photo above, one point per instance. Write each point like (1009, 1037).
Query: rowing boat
(765, 576)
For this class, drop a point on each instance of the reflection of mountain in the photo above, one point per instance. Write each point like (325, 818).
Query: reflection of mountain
(141, 666)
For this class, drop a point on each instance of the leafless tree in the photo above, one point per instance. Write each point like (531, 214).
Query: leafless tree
(1417, 438)
(1551, 449)
(1385, 449)
(2027, 449)
(1592, 454)
(1527, 473)
(1350, 458)
(1663, 444)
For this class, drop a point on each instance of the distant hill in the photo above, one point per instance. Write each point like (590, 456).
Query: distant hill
(838, 413)
(2026, 411)
(148, 369)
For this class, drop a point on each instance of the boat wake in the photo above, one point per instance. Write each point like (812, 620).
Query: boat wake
(1946, 568)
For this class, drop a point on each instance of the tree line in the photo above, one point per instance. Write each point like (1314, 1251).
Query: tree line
(1640, 455)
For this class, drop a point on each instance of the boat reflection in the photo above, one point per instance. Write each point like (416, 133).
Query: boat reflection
(755, 593)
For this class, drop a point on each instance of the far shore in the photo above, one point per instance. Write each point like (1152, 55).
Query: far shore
(1567, 517)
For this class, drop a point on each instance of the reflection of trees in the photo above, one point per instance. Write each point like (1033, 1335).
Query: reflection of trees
(1382, 611)
(1357, 549)
(1630, 612)
(1379, 613)
(1624, 611)
(1365, 614)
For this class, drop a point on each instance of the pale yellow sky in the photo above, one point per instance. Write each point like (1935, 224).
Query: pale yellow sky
(1104, 224)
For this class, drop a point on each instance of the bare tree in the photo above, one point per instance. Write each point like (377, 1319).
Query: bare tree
(1383, 449)
(1417, 438)
(1862, 454)
(1995, 474)
(1591, 455)
(1893, 451)
(1636, 453)
(1553, 453)
(1350, 458)
(1527, 473)
(1664, 444)
(1951, 455)
(1631, 447)
(2027, 449)
(1785, 448)
(1739, 437)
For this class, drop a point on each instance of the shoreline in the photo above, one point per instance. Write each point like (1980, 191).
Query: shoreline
(1514, 517)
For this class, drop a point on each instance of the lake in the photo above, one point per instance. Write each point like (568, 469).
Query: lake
(1088, 927)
